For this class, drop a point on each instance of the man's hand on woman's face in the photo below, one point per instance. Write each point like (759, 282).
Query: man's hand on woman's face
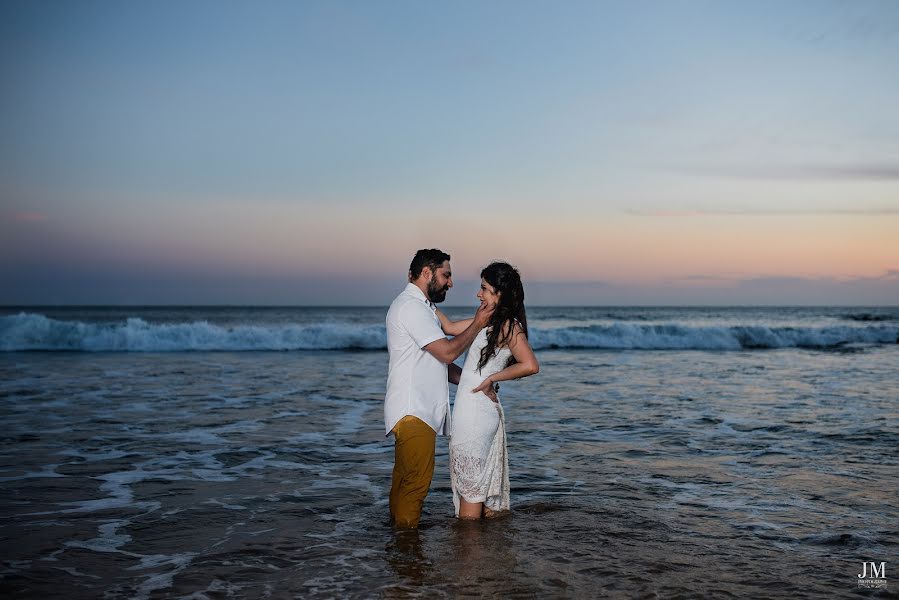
(483, 314)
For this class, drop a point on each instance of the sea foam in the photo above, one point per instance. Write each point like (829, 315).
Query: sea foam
(35, 332)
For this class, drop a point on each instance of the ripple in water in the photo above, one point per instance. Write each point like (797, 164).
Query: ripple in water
(765, 474)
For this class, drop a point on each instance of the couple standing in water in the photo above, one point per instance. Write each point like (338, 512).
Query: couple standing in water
(416, 406)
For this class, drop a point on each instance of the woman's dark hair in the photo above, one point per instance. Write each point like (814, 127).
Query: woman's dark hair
(504, 278)
(431, 258)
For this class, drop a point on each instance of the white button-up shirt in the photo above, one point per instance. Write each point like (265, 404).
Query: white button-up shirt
(416, 381)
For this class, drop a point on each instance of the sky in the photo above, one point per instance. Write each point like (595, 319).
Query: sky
(298, 153)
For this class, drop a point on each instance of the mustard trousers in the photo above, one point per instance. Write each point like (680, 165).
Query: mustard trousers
(413, 468)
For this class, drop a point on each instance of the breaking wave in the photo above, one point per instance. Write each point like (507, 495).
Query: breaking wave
(621, 336)
(37, 332)
(34, 332)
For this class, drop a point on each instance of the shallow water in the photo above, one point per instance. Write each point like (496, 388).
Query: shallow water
(265, 474)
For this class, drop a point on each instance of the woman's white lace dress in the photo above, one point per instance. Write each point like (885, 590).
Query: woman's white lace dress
(479, 466)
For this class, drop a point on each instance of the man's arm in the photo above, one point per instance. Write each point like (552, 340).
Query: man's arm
(446, 351)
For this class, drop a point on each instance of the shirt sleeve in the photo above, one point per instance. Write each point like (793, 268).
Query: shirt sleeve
(421, 324)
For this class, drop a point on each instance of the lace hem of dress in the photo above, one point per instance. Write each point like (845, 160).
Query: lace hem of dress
(467, 472)
(482, 479)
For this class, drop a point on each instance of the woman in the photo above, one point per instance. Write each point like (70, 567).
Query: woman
(478, 463)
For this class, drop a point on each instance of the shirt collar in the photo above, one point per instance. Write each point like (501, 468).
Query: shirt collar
(414, 290)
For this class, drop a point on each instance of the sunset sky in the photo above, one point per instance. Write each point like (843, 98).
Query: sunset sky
(677, 152)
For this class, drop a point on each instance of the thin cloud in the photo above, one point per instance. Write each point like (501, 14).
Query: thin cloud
(26, 217)
(725, 289)
(775, 280)
(707, 278)
(872, 171)
(783, 280)
(764, 212)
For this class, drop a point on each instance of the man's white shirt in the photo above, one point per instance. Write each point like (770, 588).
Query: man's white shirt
(416, 381)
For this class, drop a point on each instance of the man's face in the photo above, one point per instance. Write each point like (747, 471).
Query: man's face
(441, 280)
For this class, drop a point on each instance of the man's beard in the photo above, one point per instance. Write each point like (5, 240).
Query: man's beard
(436, 292)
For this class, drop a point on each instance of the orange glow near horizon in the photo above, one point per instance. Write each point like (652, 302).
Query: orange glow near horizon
(634, 249)
(278, 239)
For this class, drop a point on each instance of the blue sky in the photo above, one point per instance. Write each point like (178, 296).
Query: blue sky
(297, 153)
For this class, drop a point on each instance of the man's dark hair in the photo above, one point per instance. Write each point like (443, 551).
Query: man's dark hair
(431, 258)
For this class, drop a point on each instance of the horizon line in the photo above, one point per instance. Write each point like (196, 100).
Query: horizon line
(635, 305)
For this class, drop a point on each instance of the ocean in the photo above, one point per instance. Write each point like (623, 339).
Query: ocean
(239, 452)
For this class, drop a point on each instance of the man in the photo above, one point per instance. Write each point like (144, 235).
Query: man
(416, 406)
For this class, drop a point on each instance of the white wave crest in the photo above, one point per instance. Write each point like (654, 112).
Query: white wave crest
(34, 332)
(621, 336)
(37, 332)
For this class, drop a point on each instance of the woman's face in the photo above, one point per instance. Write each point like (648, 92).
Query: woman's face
(487, 293)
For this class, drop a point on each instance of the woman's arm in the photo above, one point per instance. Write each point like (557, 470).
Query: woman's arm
(452, 327)
(526, 361)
